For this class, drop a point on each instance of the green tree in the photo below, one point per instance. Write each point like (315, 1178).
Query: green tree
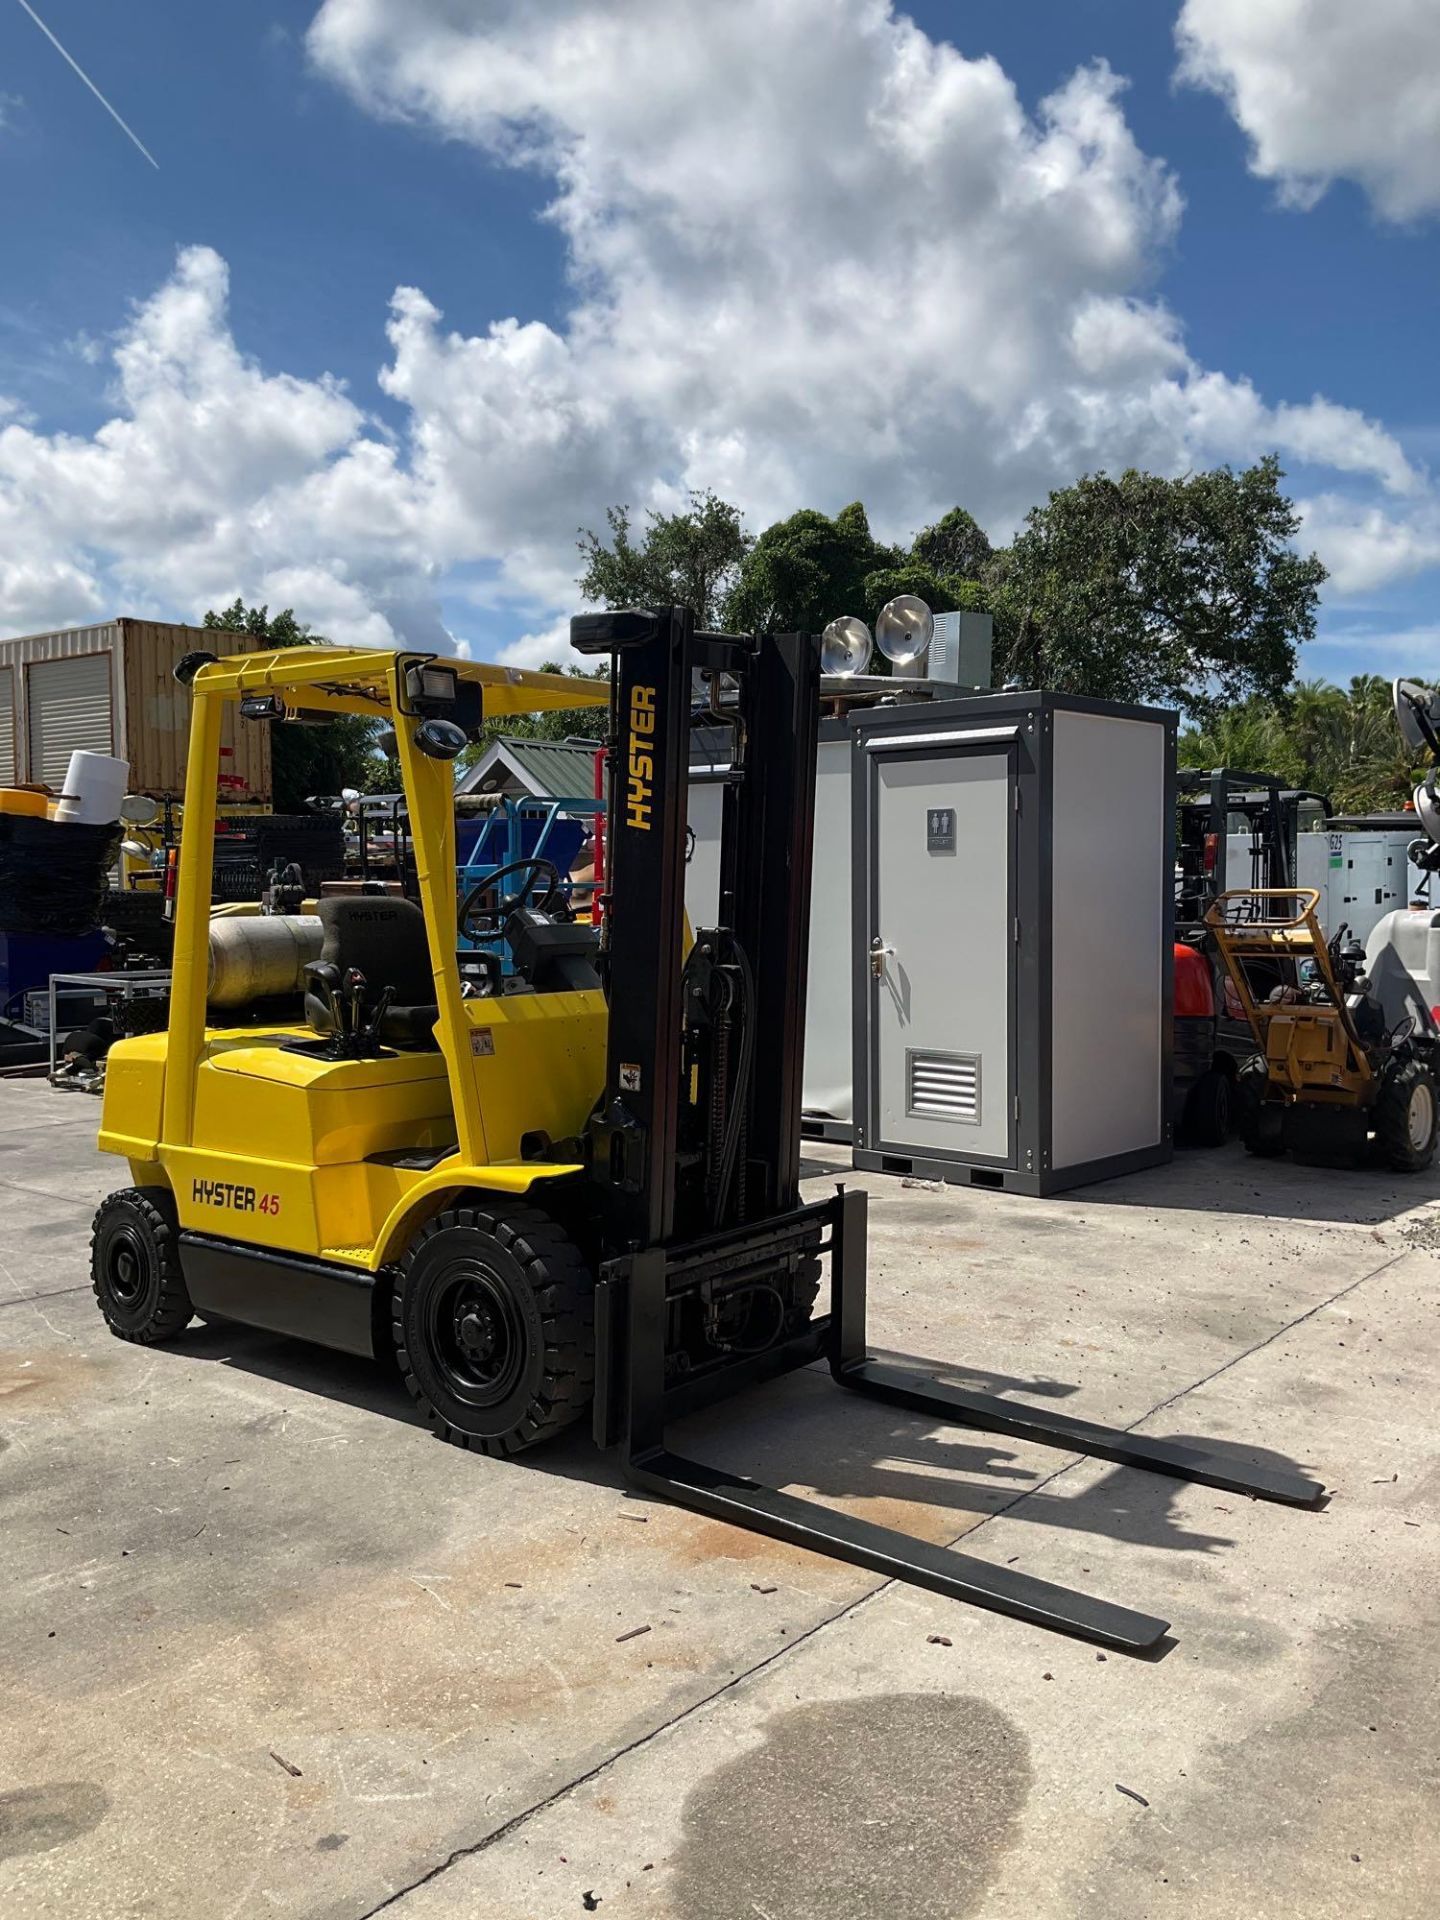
(690, 559)
(1248, 735)
(1185, 591)
(937, 591)
(306, 760)
(1342, 743)
(1307, 722)
(805, 571)
(956, 546)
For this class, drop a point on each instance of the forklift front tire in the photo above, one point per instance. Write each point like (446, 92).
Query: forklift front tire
(135, 1266)
(1405, 1117)
(494, 1326)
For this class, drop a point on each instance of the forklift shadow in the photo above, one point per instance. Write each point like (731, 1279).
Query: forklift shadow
(370, 1386)
(955, 1373)
(290, 1362)
(1229, 1180)
(807, 1435)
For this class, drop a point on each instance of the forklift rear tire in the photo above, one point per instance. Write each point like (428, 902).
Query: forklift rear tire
(135, 1266)
(1405, 1117)
(495, 1326)
(1209, 1108)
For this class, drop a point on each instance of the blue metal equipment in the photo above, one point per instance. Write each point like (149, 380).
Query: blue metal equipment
(522, 829)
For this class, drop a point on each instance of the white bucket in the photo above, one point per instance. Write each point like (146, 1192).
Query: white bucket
(94, 787)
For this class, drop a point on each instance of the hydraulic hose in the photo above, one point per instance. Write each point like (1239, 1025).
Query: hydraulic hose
(743, 1070)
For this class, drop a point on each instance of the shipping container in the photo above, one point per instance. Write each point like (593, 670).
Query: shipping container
(112, 688)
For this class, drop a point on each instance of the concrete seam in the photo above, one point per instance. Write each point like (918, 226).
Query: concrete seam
(29, 1299)
(1079, 1459)
(39, 1193)
(1270, 1338)
(696, 1706)
(621, 1753)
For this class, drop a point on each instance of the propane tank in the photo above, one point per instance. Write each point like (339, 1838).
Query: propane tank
(255, 955)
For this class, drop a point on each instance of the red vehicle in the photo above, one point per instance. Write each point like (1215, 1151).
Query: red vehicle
(1206, 1070)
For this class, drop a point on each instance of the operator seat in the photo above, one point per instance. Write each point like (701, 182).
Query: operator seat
(384, 938)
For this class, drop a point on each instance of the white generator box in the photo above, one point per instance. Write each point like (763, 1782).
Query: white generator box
(1361, 876)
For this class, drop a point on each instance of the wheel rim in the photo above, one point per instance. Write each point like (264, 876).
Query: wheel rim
(1421, 1116)
(476, 1335)
(127, 1268)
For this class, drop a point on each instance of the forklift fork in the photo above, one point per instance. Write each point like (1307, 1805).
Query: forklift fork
(722, 1495)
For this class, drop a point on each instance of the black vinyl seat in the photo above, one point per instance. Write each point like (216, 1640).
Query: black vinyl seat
(384, 938)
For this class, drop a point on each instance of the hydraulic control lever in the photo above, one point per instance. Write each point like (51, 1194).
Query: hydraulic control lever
(325, 979)
(355, 984)
(382, 1007)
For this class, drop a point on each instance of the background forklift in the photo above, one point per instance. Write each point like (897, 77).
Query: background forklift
(1213, 1038)
(574, 1192)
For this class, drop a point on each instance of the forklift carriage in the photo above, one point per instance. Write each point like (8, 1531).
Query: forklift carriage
(571, 1193)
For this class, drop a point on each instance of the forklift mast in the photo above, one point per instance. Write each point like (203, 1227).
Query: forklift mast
(710, 1262)
(729, 1020)
(1208, 802)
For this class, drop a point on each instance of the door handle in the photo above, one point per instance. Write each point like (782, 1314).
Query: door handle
(878, 955)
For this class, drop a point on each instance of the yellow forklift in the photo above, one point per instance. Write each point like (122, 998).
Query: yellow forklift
(572, 1189)
(1330, 1082)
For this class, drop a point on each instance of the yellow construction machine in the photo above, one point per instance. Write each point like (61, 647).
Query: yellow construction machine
(1330, 1082)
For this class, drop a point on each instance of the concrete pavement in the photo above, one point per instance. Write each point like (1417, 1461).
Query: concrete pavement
(266, 1647)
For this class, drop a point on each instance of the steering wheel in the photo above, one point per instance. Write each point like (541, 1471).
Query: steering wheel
(479, 922)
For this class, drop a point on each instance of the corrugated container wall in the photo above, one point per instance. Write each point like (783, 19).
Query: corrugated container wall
(111, 687)
(157, 715)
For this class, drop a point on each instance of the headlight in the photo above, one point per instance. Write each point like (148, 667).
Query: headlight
(845, 646)
(428, 685)
(904, 629)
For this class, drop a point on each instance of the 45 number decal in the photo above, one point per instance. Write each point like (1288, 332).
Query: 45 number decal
(239, 1199)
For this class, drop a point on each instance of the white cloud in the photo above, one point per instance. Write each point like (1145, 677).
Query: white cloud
(854, 267)
(173, 500)
(1366, 547)
(1327, 90)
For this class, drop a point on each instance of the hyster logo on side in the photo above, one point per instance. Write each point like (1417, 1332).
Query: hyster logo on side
(223, 1193)
(640, 787)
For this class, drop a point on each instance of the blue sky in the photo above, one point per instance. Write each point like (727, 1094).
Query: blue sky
(322, 177)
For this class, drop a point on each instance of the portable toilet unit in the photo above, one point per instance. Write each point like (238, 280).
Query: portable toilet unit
(827, 1097)
(1012, 959)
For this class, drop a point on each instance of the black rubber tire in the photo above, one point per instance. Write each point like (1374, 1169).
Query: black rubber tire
(1209, 1110)
(1403, 1086)
(1262, 1121)
(1264, 1132)
(506, 1276)
(135, 1266)
(1251, 1083)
